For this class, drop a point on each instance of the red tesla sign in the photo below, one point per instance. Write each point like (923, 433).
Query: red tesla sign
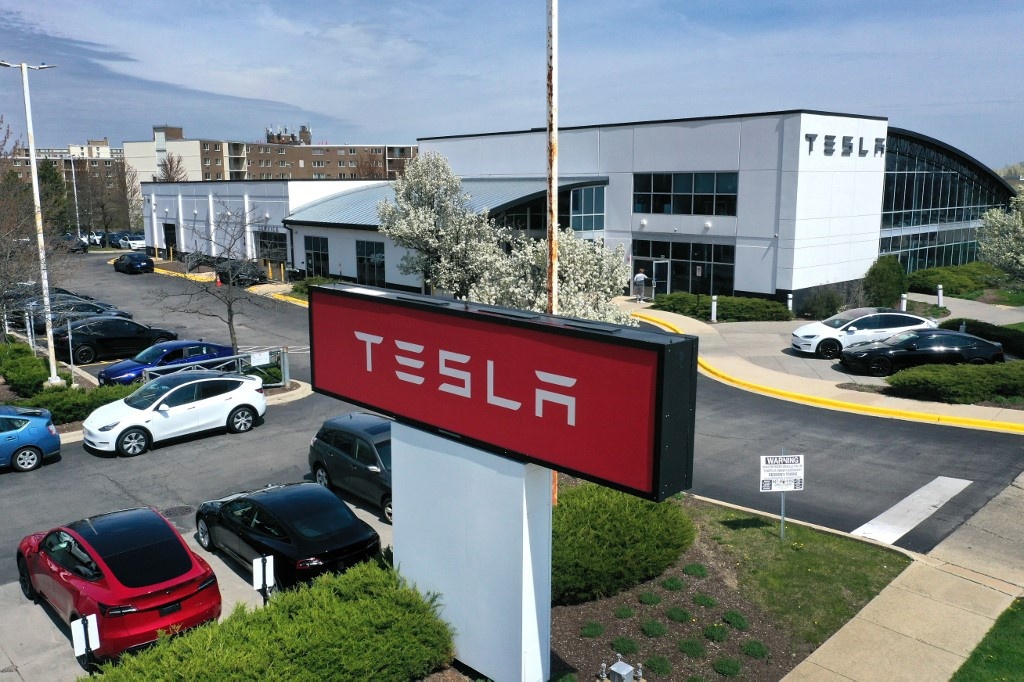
(585, 398)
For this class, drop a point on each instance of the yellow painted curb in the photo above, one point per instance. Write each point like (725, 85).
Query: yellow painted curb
(290, 299)
(968, 422)
(194, 276)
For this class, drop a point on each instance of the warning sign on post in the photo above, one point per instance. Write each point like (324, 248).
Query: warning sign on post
(782, 473)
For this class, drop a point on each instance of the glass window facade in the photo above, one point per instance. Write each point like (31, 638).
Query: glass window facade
(271, 245)
(694, 267)
(685, 193)
(370, 263)
(587, 210)
(932, 203)
(317, 263)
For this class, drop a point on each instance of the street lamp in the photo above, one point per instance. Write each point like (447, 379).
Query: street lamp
(74, 185)
(44, 280)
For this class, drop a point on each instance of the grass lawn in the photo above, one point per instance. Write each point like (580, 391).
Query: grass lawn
(1000, 656)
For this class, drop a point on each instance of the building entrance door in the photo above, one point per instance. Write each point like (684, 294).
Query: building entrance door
(660, 277)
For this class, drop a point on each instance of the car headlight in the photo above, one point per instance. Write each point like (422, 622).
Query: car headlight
(108, 426)
(809, 336)
(859, 355)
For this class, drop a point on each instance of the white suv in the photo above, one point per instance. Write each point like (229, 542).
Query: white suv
(828, 338)
(178, 404)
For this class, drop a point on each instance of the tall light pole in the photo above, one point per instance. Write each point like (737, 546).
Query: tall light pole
(44, 280)
(74, 185)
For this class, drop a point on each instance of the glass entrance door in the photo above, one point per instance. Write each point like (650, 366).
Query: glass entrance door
(660, 277)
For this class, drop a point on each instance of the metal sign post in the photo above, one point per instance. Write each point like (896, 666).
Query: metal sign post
(780, 474)
(262, 567)
(85, 635)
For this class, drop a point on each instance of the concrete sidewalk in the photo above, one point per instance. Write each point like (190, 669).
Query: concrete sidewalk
(926, 623)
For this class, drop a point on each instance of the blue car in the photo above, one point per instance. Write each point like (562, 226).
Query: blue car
(160, 355)
(27, 437)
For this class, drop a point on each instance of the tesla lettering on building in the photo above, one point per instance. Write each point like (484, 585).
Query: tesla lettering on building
(608, 403)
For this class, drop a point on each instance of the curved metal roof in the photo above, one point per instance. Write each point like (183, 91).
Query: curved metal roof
(358, 207)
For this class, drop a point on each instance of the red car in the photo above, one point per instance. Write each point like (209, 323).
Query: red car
(130, 568)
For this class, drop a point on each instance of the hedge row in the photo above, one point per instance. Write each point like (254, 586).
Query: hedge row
(957, 280)
(71, 404)
(730, 308)
(24, 373)
(604, 541)
(365, 624)
(960, 384)
(1012, 339)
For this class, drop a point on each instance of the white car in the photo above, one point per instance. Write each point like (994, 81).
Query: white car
(132, 241)
(95, 238)
(178, 404)
(828, 338)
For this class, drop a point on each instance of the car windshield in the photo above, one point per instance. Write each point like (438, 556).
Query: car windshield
(150, 393)
(902, 337)
(838, 320)
(384, 450)
(150, 355)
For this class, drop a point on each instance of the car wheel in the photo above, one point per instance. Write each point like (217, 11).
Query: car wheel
(387, 509)
(25, 580)
(26, 459)
(241, 420)
(321, 476)
(978, 361)
(85, 355)
(829, 349)
(132, 442)
(161, 339)
(880, 367)
(203, 534)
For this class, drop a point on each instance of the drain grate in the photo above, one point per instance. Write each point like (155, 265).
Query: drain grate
(184, 510)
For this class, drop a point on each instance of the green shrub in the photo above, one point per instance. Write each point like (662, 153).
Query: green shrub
(736, 619)
(25, 373)
(658, 665)
(568, 677)
(696, 570)
(705, 600)
(594, 528)
(591, 630)
(649, 598)
(959, 384)
(884, 281)
(957, 280)
(755, 649)
(624, 646)
(823, 302)
(673, 584)
(302, 287)
(694, 648)
(730, 308)
(1012, 339)
(68, 404)
(727, 667)
(367, 623)
(653, 628)
(716, 632)
(271, 374)
(679, 615)
(624, 612)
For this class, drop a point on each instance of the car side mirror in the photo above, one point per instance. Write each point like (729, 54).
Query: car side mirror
(851, 329)
(163, 407)
(911, 346)
(373, 469)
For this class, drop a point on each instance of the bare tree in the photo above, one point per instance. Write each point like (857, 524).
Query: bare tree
(368, 170)
(171, 169)
(228, 248)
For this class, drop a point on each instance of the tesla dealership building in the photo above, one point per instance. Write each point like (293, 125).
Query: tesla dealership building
(759, 204)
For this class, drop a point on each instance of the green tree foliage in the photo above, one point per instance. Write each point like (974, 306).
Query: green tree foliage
(885, 281)
(1001, 238)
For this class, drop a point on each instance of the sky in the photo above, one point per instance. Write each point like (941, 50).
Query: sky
(362, 72)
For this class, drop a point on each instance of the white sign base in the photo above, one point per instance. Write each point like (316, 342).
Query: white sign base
(80, 627)
(476, 529)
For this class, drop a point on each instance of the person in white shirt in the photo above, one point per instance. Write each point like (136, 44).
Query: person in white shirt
(639, 282)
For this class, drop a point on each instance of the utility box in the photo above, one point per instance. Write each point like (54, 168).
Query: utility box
(621, 672)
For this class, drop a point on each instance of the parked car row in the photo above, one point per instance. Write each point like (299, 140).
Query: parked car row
(117, 239)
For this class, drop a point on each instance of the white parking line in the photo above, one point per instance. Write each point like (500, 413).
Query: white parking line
(901, 518)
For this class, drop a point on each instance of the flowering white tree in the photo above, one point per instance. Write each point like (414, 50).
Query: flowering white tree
(1001, 238)
(589, 277)
(455, 249)
(449, 246)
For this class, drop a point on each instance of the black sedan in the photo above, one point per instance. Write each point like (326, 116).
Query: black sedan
(919, 347)
(305, 527)
(106, 337)
(132, 263)
(64, 311)
(240, 273)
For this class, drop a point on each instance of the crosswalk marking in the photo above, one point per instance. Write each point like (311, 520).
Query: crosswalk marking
(905, 515)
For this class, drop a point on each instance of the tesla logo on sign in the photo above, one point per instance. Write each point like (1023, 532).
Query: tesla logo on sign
(608, 403)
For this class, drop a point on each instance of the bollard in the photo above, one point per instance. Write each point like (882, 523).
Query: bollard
(714, 308)
(963, 327)
(940, 295)
(903, 303)
(789, 302)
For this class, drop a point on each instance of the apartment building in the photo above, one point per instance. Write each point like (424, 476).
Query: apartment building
(280, 156)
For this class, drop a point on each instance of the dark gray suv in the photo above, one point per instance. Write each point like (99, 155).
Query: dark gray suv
(353, 453)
